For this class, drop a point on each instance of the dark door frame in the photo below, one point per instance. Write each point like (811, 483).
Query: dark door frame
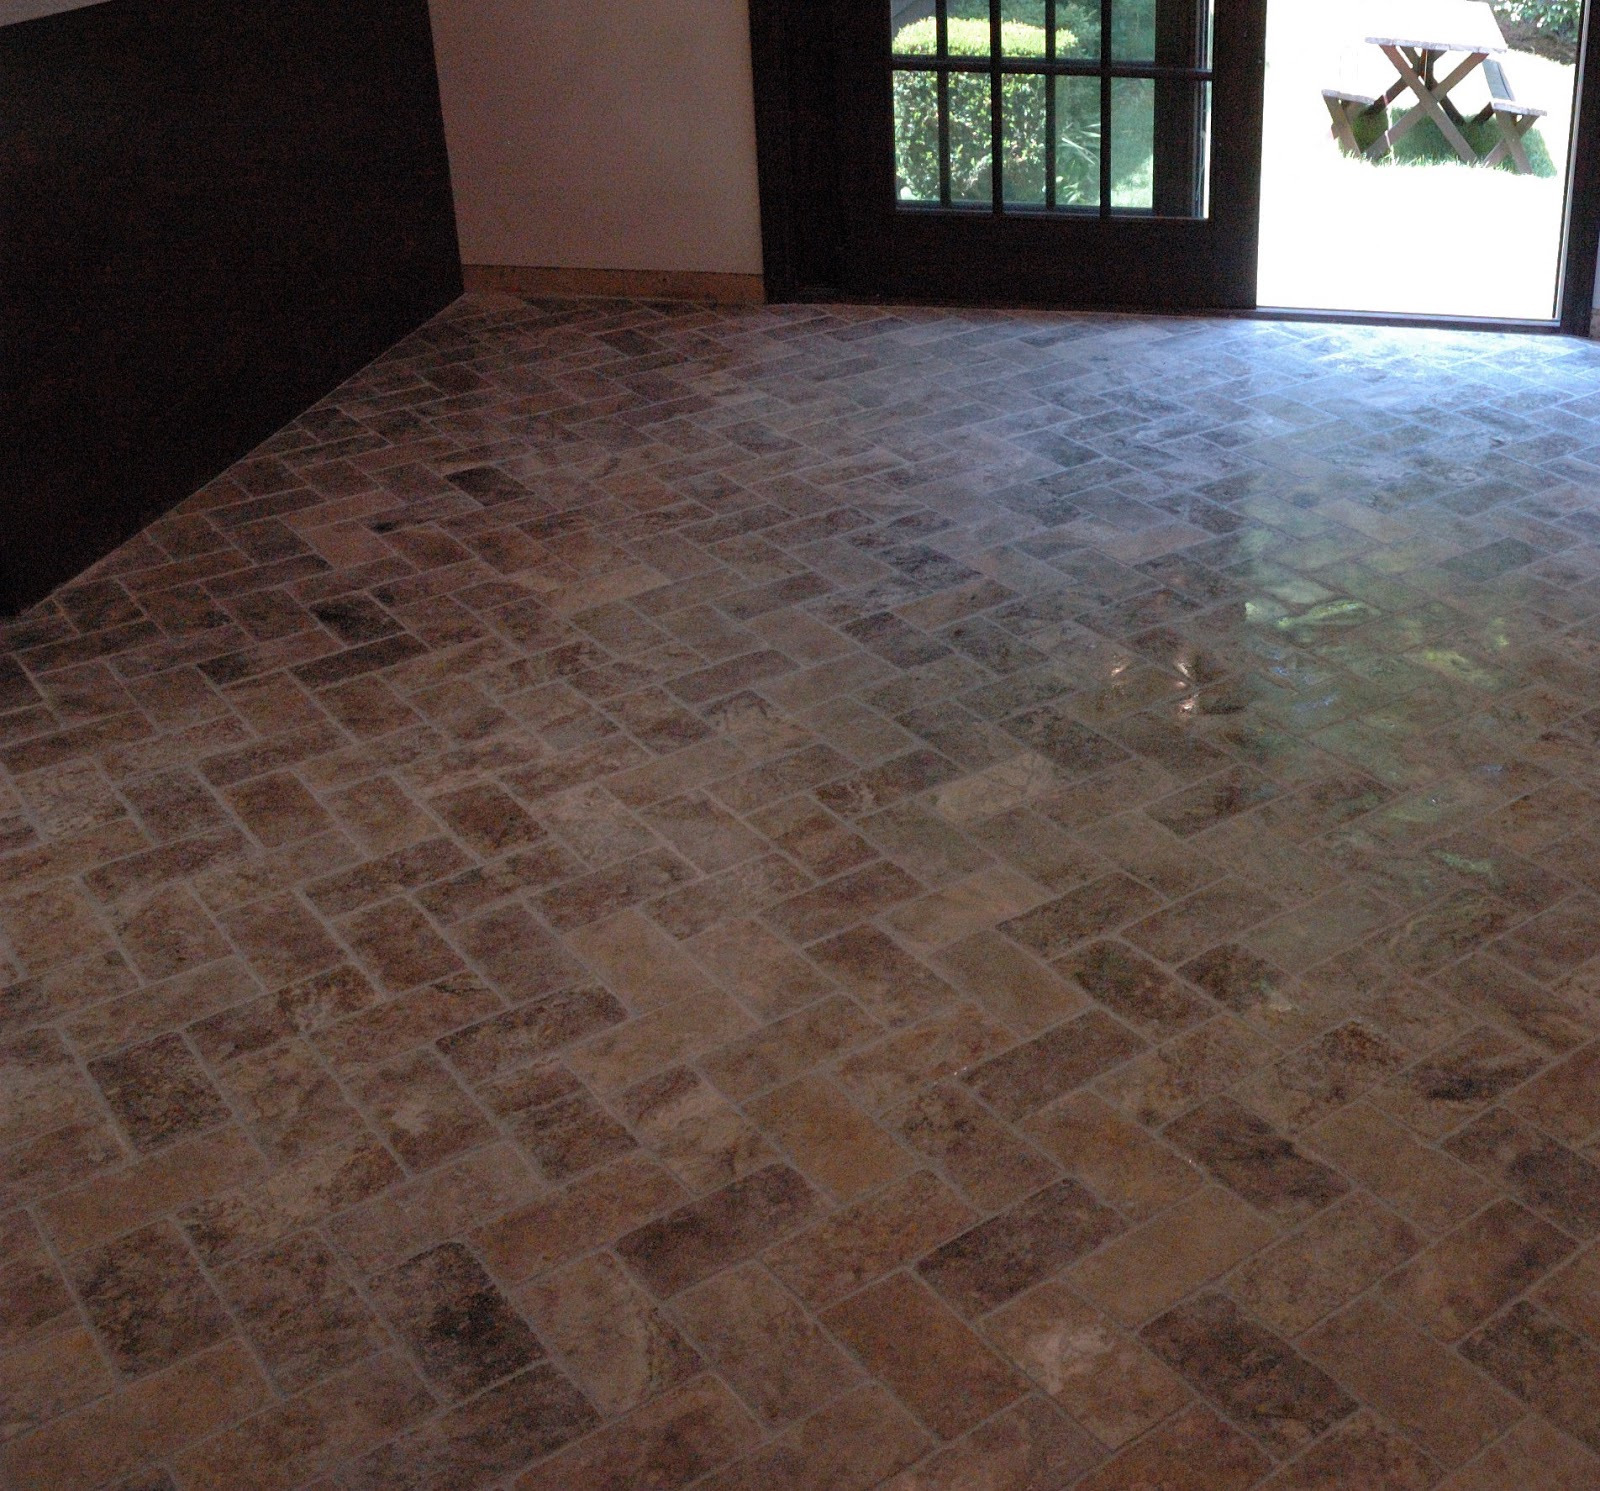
(803, 166)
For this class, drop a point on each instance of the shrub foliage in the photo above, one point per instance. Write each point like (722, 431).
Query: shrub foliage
(916, 112)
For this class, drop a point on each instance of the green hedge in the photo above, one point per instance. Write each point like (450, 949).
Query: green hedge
(1554, 18)
(916, 116)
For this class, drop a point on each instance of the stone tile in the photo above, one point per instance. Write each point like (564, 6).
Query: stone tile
(851, 1445)
(1444, 1407)
(890, 984)
(644, 966)
(860, 1243)
(148, 1299)
(51, 1376)
(457, 1322)
(1359, 1455)
(1533, 1455)
(281, 940)
(665, 1443)
(381, 816)
(1052, 1064)
(154, 1010)
(1337, 1255)
(1427, 1187)
(169, 933)
(1530, 1353)
(990, 1165)
(153, 1417)
(808, 833)
(1020, 1247)
(1555, 1181)
(1556, 941)
(1119, 1161)
(1158, 1086)
(165, 1181)
(930, 1360)
(1106, 1380)
(1564, 1100)
(1443, 1091)
(538, 1028)
(521, 1419)
(300, 1311)
(1193, 1451)
(681, 1031)
(1022, 993)
(1301, 1089)
(486, 818)
(414, 1215)
(1150, 1268)
(1255, 1377)
(1026, 1446)
(1554, 1019)
(763, 1344)
(1134, 988)
(1573, 1292)
(399, 945)
(841, 903)
(289, 1101)
(159, 1092)
(1090, 911)
(703, 1137)
(588, 1213)
(622, 1349)
(277, 809)
(1248, 1155)
(295, 1195)
(1464, 1277)
(759, 968)
(789, 1046)
(831, 1140)
(819, 757)
(291, 1441)
(702, 1236)
(420, 1110)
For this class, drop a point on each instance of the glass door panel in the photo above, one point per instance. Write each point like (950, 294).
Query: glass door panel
(1012, 106)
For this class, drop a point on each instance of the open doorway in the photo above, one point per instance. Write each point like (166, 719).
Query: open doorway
(1415, 156)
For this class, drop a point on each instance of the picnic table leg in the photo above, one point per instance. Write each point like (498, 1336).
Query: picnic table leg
(1428, 105)
(1511, 133)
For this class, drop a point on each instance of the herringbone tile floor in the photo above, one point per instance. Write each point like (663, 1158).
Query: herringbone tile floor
(823, 898)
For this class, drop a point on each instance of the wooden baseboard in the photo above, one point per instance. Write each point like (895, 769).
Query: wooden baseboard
(644, 284)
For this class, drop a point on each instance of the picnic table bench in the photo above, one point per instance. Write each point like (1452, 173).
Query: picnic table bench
(1417, 36)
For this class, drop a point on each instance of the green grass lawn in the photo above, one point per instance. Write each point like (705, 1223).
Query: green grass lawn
(1424, 145)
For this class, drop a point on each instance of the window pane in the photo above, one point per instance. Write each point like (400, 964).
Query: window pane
(1133, 117)
(1023, 121)
(1133, 29)
(1160, 146)
(971, 139)
(1022, 32)
(1077, 142)
(1175, 33)
(1077, 28)
(969, 28)
(913, 28)
(916, 136)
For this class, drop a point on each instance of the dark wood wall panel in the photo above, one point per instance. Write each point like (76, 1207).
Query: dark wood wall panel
(211, 212)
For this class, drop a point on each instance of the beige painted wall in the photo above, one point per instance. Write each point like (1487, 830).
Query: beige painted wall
(615, 135)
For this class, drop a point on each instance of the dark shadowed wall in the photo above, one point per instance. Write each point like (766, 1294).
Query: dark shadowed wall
(211, 212)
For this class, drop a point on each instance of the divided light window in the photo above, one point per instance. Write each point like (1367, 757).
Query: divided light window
(1085, 107)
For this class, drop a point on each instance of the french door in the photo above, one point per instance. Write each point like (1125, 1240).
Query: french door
(1064, 152)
